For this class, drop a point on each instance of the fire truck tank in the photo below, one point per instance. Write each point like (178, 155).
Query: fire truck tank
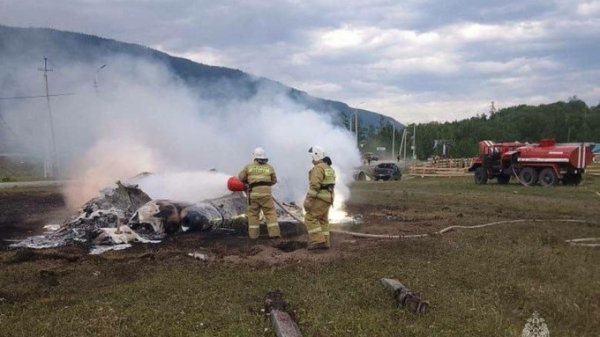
(546, 162)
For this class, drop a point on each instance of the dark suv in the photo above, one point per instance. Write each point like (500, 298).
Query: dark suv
(387, 171)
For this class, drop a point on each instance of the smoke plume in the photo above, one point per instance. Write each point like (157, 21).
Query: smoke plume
(142, 118)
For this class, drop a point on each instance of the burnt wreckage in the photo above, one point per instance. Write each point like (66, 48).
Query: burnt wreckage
(124, 214)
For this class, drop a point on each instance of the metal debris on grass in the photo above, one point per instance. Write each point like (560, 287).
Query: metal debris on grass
(283, 322)
(405, 298)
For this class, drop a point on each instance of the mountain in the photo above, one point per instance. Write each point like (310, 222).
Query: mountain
(63, 48)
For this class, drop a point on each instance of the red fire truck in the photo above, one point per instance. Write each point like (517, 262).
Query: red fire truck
(546, 162)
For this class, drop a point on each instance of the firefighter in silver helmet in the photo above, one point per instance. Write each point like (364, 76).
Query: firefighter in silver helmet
(319, 198)
(260, 176)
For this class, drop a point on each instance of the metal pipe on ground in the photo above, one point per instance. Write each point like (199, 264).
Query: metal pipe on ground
(283, 323)
(405, 298)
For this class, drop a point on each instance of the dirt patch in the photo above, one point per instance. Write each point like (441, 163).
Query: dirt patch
(230, 249)
(403, 220)
(69, 254)
(23, 214)
(290, 246)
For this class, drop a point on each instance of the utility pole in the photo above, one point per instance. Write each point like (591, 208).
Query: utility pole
(402, 151)
(356, 125)
(403, 145)
(96, 78)
(414, 144)
(493, 109)
(401, 142)
(51, 160)
(405, 140)
(393, 141)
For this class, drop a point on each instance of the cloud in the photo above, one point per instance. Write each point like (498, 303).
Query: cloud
(341, 38)
(589, 8)
(324, 89)
(206, 55)
(430, 53)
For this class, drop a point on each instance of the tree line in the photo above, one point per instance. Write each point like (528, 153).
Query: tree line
(571, 121)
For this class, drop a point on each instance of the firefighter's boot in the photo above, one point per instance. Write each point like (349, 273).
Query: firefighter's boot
(317, 246)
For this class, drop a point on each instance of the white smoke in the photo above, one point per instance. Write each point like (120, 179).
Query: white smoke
(188, 186)
(143, 119)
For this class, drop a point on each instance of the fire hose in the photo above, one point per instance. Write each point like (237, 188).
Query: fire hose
(517, 177)
(576, 242)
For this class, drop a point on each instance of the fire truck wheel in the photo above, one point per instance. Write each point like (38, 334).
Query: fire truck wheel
(503, 179)
(528, 176)
(548, 177)
(572, 179)
(480, 176)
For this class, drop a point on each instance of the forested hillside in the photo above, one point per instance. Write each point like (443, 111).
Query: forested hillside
(572, 121)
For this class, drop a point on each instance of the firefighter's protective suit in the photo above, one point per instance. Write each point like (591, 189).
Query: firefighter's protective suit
(260, 176)
(321, 182)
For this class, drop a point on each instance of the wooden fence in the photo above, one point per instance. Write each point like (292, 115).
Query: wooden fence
(458, 168)
(593, 169)
(441, 168)
(450, 163)
(428, 171)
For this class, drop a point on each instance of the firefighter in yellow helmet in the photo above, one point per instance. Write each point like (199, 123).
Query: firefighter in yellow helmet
(321, 182)
(260, 176)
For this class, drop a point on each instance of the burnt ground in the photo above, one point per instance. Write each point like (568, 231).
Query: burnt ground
(383, 207)
(24, 212)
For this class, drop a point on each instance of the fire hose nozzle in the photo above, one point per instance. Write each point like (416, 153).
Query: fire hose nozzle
(234, 184)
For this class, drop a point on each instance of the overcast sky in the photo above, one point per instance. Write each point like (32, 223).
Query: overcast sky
(416, 61)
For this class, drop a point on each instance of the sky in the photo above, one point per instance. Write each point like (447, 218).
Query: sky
(416, 61)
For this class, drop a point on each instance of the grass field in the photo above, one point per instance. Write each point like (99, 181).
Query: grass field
(20, 170)
(484, 282)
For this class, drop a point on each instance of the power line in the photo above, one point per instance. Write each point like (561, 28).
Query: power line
(38, 96)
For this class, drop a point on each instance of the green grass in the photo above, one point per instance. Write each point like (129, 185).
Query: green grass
(16, 172)
(479, 282)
